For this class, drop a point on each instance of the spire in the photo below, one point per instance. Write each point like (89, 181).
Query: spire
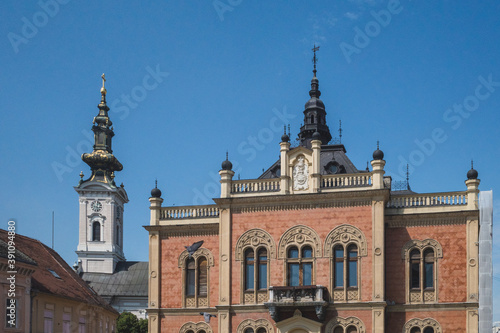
(314, 113)
(102, 162)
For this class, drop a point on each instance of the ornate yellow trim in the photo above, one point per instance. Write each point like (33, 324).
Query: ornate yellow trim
(196, 327)
(345, 234)
(421, 245)
(201, 252)
(255, 324)
(344, 323)
(299, 235)
(255, 238)
(422, 323)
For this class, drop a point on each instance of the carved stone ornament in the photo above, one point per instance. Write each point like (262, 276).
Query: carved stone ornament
(422, 245)
(255, 325)
(255, 238)
(422, 324)
(345, 235)
(201, 252)
(344, 323)
(299, 235)
(196, 327)
(301, 175)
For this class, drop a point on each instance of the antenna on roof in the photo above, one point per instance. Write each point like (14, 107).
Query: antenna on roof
(367, 168)
(340, 130)
(288, 130)
(407, 177)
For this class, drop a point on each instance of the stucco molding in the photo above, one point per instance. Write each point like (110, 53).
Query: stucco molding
(421, 245)
(255, 238)
(344, 323)
(196, 327)
(299, 235)
(344, 235)
(255, 325)
(201, 252)
(422, 324)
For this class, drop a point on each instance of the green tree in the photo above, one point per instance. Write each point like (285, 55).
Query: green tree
(128, 323)
(143, 326)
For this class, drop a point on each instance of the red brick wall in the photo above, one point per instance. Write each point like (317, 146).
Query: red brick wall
(452, 268)
(450, 321)
(173, 323)
(171, 274)
(322, 220)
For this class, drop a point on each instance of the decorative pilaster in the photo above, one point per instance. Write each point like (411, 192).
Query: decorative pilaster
(284, 161)
(316, 175)
(378, 253)
(225, 257)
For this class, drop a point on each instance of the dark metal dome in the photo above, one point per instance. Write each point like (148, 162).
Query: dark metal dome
(227, 165)
(472, 174)
(285, 138)
(316, 136)
(378, 154)
(155, 193)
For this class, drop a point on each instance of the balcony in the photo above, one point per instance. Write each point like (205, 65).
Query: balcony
(289, 298)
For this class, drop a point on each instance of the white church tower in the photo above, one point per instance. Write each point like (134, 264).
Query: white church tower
(100, 244)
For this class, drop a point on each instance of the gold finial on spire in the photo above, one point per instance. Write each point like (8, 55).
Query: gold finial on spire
(103, 89)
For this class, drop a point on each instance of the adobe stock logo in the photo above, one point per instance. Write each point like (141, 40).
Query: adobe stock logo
(453, 116)
(29, 29)
(372, 29)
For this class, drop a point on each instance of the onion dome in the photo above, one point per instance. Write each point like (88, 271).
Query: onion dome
(472, 173)
(285, 137)
(227, 165)
(378, 154)
(316, 136)
(156, 193)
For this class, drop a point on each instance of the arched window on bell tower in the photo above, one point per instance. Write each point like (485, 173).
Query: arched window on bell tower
(96, 231)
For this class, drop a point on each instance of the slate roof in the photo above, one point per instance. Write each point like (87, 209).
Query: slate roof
(330, 154)
(129, 279)
(68, 285)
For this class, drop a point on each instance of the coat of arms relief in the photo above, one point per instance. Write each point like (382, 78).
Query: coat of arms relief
(301, 175)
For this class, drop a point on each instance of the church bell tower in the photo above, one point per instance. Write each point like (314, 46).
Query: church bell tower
(100, 243)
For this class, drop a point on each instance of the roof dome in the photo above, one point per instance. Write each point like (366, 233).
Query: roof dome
(285, 138)
(316, 136)
(155, 193)
(472, 173)
(378, 154)
(227, 165)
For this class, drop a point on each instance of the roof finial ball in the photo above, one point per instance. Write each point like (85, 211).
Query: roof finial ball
(156, 193)
(316, 136)
(285, 137)
(378, 154)
(227, 165)
(472, 173)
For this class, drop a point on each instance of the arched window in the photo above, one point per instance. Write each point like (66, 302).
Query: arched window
(312, 119)
(196, 277)
(345, 325)
(249, 269)
(96, 231)
(117, 241)
(345, 270)
(255, 278)
(300, 266)
(421, 270)
(255, 326)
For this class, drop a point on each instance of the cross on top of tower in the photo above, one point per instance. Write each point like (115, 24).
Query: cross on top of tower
(315, 59)
(103, 89)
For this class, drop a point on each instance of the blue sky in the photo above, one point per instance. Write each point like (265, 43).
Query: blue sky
(423, 77)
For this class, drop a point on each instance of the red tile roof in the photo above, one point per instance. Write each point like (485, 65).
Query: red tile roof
(69, 285)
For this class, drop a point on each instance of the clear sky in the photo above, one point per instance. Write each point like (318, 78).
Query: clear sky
(188, 80)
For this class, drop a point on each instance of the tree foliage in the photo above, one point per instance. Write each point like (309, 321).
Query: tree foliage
(128, 323)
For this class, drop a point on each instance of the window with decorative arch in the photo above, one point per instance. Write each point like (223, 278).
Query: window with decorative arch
(255, 326)
(345, 246)
(96, 231)
(299, 247)
(196, 277)
(254, 249)
(421, 270)
(427, 325)
(200, 327)
(345, 325)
